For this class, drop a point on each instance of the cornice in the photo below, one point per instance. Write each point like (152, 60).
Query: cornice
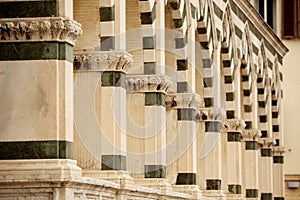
(262, 26)
(101, 61)
(39, 29)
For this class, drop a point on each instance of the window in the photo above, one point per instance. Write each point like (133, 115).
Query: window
(290, 19)
(267, 9)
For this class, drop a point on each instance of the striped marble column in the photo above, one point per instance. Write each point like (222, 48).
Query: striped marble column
(184, 142)
(266, 168)
(101, 125)
(112, 24)
(278, 173)
(233, 129)
(211, 151)
(147, 128)
(36, 134)
(251, 163)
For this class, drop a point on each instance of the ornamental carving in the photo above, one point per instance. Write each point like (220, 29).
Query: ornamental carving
(267, 142)
(250, 135)
(102, 61)
(147, 83)
(40, 29)
(211, 114)
(184, 100)
(278, 151)
(233, 125)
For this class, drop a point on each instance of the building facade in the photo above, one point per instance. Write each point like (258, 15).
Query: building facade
(149, 99)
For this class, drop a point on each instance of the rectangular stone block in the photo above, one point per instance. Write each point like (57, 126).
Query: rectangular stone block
(113, 79)
(251, 145)
(234, 136)
(36, 150)
(182, 87)
(182, 64)
(186, 114)
(212, 126)
(149, 42)
(213, 184)
(266, 196)
(155, 171)
(107, 14)
(209, 102)
(278, 159)
(251, 193)
(235, 189)
(186, 179)
(266, 152)
(149, 67)
(113, 162)
(149, 17)
(155, 99)
(22, 9)
(107, 43)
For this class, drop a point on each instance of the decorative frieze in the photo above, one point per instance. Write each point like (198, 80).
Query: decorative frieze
(102, 61)
(39, 29)
(230, 125)
(184, 100)
(147, 83)
(250, 135)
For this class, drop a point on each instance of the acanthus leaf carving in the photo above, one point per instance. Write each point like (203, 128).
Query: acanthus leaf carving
(102, 61)
(267, 142)
(211, 114)
(184, 100)
(40, 29)
(148, 83)
(233, 125)
(250, 135)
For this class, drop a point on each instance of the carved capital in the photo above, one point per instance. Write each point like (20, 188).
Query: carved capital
(39, 29)
(266, 142)
(278, 151)
(250, 135)
(184, 100)
(147, 83)
(211, 114)
(102, 61)
(233, 125)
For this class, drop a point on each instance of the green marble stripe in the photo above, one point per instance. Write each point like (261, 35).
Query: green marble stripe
(278, 159)
(235, 189)
(22, 9)
(186, 179)
(251, 193)
(266, 196)
(36, 150)
(234, 136)
(218, 11)
(155, 99)
(113, 162)
(155, 171)
(213, 184)
(186, 114)
(113, 79)
(36, 51)
(251, 145)
(266, 152)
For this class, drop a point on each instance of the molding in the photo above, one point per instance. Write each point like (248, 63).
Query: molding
(232, 125)
(39, 29)
(211, 114)
(101, 61)
(250, 135)
(266, 142)
(148, 83)
(184, 100)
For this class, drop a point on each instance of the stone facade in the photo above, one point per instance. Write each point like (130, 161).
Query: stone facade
(148, 99)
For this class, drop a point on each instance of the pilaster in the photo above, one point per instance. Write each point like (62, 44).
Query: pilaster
(278, 172)
(100, 96)
(266, 182)
(36, 136)
(233, 128)
(251, 163)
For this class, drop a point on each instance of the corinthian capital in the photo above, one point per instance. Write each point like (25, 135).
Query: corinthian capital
(233, 125)
(250, 135)
(212, 114)
(102, 61)
(39, 29)
(278, 151)
(184, 100)
(148, 83)
(266, 142)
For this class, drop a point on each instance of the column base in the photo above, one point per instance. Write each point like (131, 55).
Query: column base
(214, 194)
(155, 183)
(39, 170)
(121, 177)
(193, 190)
(235, 197)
